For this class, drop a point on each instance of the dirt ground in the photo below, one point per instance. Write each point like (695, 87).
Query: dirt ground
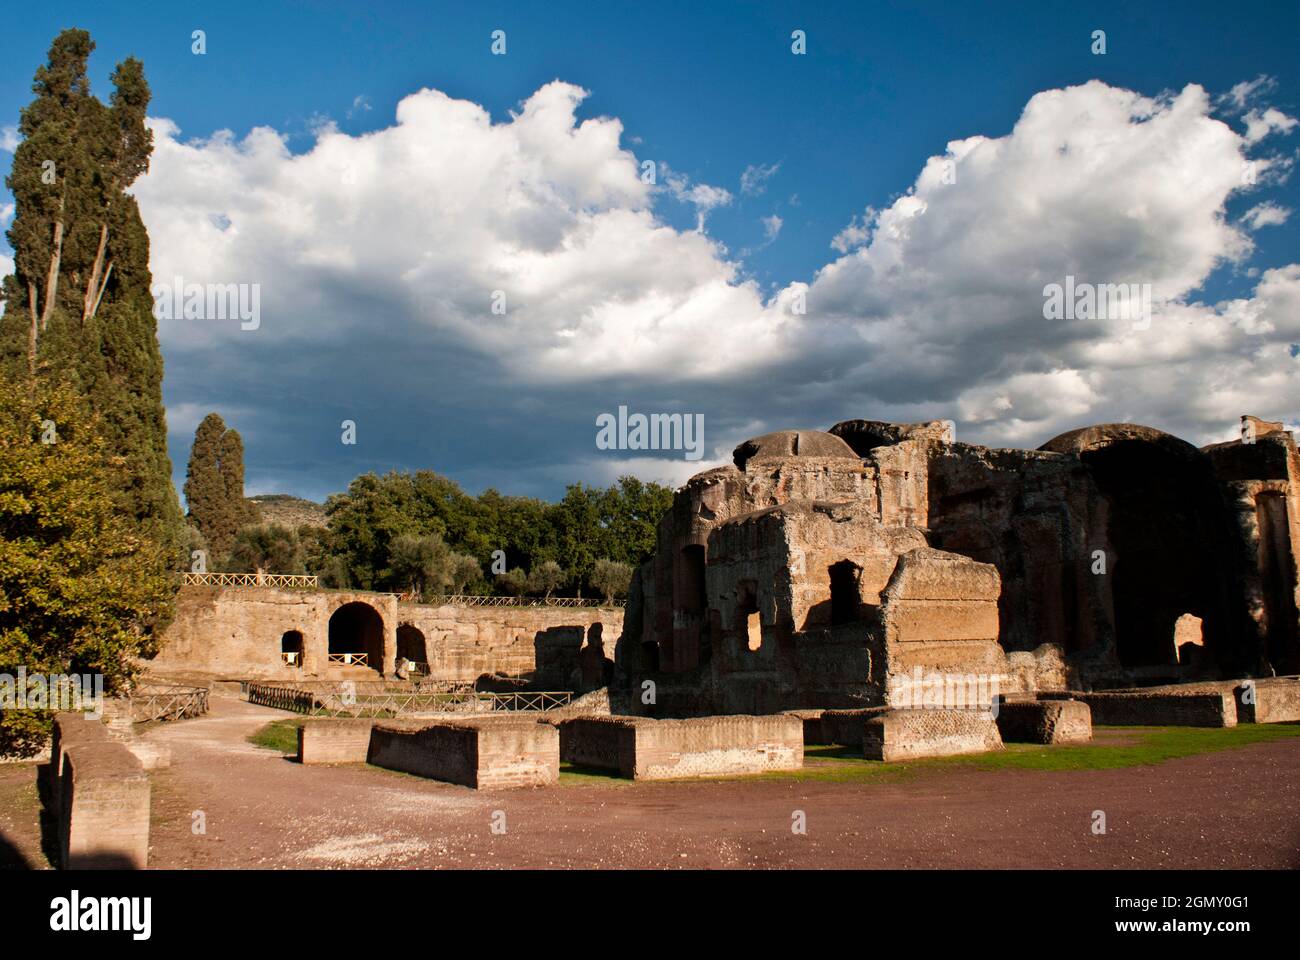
(1232, 808)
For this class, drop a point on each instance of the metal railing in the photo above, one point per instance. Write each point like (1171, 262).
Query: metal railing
(158, 701)
(298, 581)
(291, 580)
(344, 699)
(349, 659)
(468, 600)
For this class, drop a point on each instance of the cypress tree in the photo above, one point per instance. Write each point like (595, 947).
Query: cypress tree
(241, 512)
(78, 306)
(214, 486)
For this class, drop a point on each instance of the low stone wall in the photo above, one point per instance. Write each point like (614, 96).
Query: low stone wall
(69, 729)
(844, 727)
(911, 734)
(1158, 708)
(1268, 700)
(103, 807)
(334, 741)
(812, 725)
(598, 741)
(489, 754)
(648, 749)
(1044, 721)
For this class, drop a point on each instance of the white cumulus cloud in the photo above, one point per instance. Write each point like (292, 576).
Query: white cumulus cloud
(375, 249)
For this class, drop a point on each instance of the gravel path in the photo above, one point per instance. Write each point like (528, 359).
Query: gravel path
(1234, 808)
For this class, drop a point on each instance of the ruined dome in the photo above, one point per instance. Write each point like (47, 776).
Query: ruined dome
(863, 436)
(1102, 435)
(792, 443)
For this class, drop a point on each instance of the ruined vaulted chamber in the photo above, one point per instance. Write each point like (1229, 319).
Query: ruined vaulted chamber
(824, 569)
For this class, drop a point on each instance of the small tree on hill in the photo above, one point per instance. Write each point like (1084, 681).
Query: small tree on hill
(268, 547)
(611, 578)
(545, 577)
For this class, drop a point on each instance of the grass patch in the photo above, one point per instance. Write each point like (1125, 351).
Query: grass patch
(1112, 748)
(279, 735)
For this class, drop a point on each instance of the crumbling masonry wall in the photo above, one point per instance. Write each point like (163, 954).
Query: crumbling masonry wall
(1077, 565)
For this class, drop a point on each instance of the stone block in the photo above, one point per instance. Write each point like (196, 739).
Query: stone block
(1044, 721)
(334, 741)
(481, 754)
(911, 734)
(649, 749)
(104, 808)
(1159, 708)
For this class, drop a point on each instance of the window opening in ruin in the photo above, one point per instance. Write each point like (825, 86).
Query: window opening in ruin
(846, 592)
(693, 588)
(411, 645)
(748, 623)
(291, 648)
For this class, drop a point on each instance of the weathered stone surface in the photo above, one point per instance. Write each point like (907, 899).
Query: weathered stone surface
(1269, 700)
(103, 807)
(70, 728)
(813, 732)
(844, 727)
(1044, 721)
(1069, 566)
(238, 632)
(334, 741)
(490, 754)
(647, 749)
(1160, 708)
(911, 734)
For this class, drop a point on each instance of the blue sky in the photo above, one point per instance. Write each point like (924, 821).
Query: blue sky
(707, 91)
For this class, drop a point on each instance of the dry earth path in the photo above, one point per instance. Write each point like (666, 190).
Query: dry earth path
(1233, 808)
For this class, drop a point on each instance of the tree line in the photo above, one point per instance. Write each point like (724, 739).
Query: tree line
(92, 535)
(419, 531)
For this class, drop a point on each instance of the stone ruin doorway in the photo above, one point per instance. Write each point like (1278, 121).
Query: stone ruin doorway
(356, 637)
(1277, 572)
(412, 646)
(846, 591)
(1171, 537)
(291, 647)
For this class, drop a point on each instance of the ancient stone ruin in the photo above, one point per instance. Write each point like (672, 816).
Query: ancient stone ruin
(833, 569)
(878, 586)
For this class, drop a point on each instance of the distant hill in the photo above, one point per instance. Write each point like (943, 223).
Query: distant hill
(289, 511)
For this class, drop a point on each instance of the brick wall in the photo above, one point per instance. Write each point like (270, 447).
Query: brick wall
(70, 728)
(334, 741)
(103, 807)
(910, 734)
(1044, 721)
(485, 755)
(1210, 708)
(1275, 701)
(650, 749)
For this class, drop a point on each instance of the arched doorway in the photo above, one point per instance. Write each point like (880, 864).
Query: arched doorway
(411, 646)
(356, 636)
(291, 648)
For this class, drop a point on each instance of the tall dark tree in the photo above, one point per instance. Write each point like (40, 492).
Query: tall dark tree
(78, 306)
(214, 486)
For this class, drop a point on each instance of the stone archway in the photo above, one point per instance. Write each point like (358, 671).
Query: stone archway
(411, 645)
(291, 648)
(356, 636)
